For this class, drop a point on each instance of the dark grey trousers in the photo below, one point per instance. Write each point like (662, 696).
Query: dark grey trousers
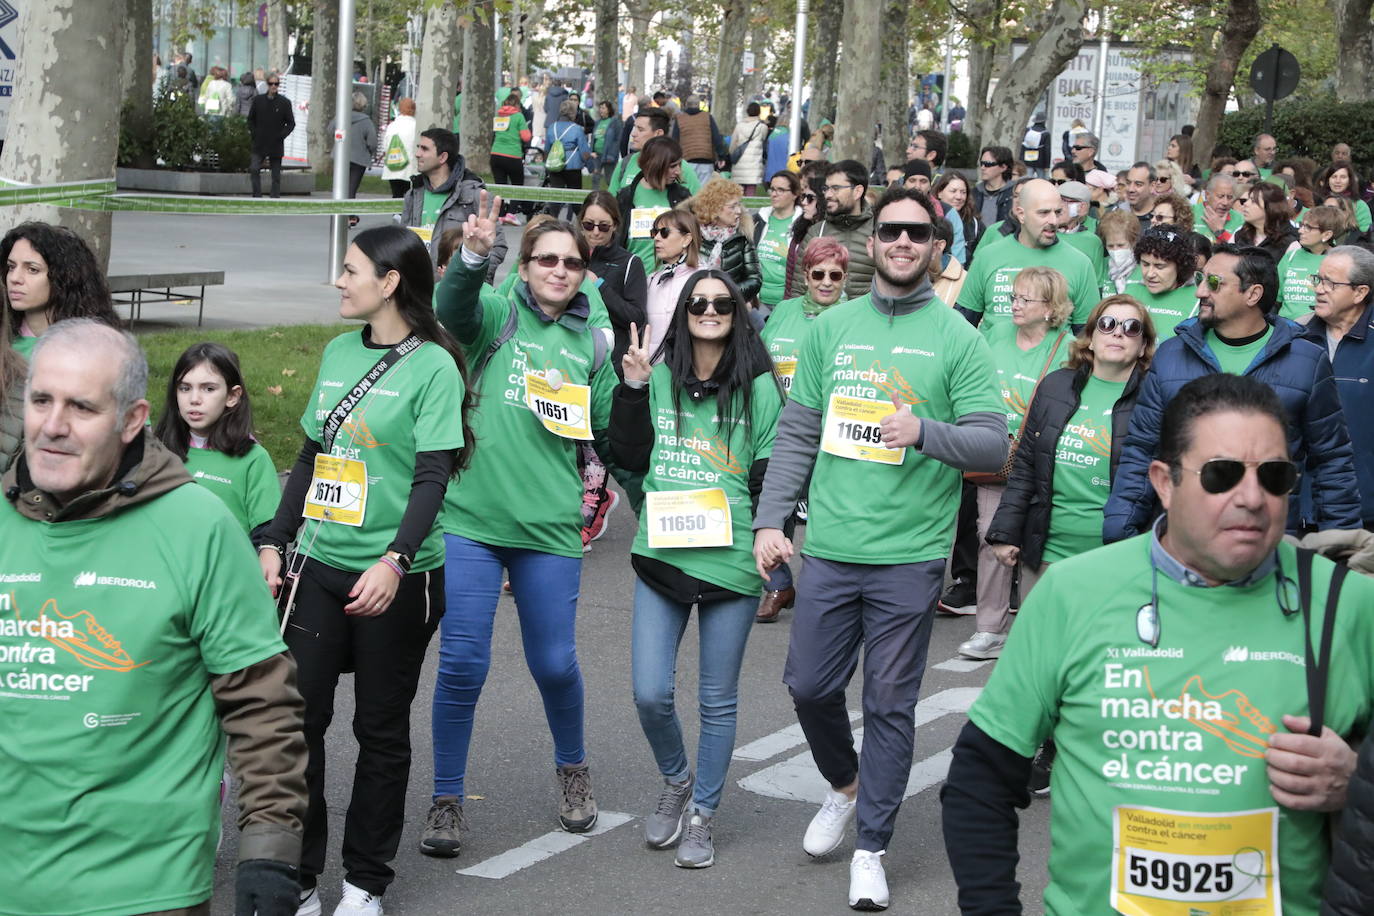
(888, 611)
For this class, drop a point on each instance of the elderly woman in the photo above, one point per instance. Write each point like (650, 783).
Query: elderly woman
(723, 244)
(1317, 234)
(1167, 264)
(1172, 210)
(1022, 352)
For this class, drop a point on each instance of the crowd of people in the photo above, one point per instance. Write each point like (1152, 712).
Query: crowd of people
(1062, 402)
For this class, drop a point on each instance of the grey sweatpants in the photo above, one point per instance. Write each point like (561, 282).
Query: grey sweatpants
(888, 611)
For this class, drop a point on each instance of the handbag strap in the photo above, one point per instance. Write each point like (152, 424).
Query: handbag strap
(1318, 666)
(1054, 350)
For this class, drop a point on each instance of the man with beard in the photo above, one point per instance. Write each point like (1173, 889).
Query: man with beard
(1236, 331)
(446, 195)
(893, 398)
(848, 219)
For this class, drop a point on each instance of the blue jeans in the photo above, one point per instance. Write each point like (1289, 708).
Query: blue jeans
(545, 587)
(659, 623)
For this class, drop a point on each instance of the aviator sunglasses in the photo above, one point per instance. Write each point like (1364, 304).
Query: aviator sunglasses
(1220, 475)
(723, 305)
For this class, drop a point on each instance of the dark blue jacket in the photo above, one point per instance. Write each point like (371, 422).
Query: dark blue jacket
(1354, 371)
(1300, 374)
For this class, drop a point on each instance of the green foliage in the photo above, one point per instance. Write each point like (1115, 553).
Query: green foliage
(229, 140)
(134, 144)
(179, 134)
(279, 368)
(962, 151)
(1306, 128)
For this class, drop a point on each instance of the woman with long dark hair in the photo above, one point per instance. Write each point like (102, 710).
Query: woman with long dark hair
(623, 285)
(701, 424)
(1339, 179)
(386, 427)
(51, 275)
(1268, 220)
(952, 190)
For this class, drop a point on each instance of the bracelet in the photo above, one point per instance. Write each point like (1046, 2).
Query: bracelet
(267, 545)
(395, 567)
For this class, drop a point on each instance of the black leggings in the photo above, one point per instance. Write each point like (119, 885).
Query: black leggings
(507, 170)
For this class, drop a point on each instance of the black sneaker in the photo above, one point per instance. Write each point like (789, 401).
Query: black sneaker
(960, 599)
(1040, 770)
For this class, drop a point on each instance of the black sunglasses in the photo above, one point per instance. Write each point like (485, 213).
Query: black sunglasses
(662, 232)
(987, 165)
(1131, 327)
(1058, 181)
(273, 84)
(835, 275)
(589, 226)
(808, 198)
(1220, 475)
(920, 233)
(723, 305)
(551, 261)
(1076, 146)
(1240, 174)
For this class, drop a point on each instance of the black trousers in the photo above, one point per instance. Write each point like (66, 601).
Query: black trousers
(568, 178)
(355, 178)
(255, 163)
(399, 186)
(385, 654)
(507, 170)
(963, 563)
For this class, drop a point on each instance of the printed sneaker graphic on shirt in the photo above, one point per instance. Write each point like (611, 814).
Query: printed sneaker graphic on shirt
(892, 383)
(358, 431)
(1228, 715)
(83, 636)
(715, 451)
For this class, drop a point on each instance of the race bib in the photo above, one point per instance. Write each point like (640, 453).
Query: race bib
(688, 518)
(1181, 863)
(786, 368)
(852, 430)
(565, 410)
(424, 232)
(338, 491)
(642, 220)
(500, 123)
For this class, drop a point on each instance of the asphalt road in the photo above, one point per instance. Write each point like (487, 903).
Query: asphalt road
(760, 866)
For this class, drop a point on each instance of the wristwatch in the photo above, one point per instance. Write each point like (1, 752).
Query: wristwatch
(401, 559)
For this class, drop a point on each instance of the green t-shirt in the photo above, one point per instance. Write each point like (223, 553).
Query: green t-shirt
(24, 345)
(1233, 222)
(1236, 360)
(772, 252)
(1178, 727)
(643, 249)
(429, 209)
(523, 488)
(415, 407)
(505, 137)
(597, 318)
(111, 750)
(1362, 217)
(1166, 309)
(1296, 294)
(869, 512)
(987, 289)
(783, 334)
(1083, 472)
(247, 485)
(599, 135)
(1091, 246)
(1019, 370)
(626, 170)
(457, 113)
(692, 452)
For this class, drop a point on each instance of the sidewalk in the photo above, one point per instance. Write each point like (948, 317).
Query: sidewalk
(274, 266)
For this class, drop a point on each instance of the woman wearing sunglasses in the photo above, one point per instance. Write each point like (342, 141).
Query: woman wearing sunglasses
(1268, 220)
(543, 386)
(825, 266)
(655, 190)
(811, 203)
(699, 416)
(617, 275)
(676, 236)
(1168, 262)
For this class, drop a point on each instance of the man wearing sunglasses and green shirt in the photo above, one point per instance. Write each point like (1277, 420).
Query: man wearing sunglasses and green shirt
(1200, 749)
(1238, 331)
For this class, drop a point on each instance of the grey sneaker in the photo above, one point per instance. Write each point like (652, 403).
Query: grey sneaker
(696, 849)
(577, 808)
(442, 826)
(662, 828)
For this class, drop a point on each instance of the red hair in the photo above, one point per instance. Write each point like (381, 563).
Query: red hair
(825, 249)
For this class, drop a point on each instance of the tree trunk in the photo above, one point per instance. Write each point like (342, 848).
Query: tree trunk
(682, 84)
(640, 14)
(758, 43)
(607, 50)
(983, 17)
(1354, 50)
(479, 56)
(63, 119)
(825, 27)
(440, 59)
(896, 80)
(734, 29)
(277, 35)
(324, 58)
(1240, 28)
(858, 91)
(530, 14)
(138, 75)
(1024, 82)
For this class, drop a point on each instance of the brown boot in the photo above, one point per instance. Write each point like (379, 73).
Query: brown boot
(773, 603)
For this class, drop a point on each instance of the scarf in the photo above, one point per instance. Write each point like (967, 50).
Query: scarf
(811, 308)
(719, 235)
(666, 272)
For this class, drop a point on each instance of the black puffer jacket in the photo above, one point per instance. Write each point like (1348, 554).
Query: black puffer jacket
(1023, 518)
(1276, 245)
(1350, 882)
(738, 259)
(624, 289)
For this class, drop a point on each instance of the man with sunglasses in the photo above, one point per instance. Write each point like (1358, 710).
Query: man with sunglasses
(985, 299)
(893, 396)
(1084, 151)
(847, 219)
(1343, 322)
(1247, 174)
(1237, 331)
(1171, 670)
(270, 122)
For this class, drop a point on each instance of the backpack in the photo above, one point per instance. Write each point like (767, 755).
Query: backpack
(557, 158)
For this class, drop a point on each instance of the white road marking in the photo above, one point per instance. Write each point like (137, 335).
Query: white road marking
(796, 778)
(961, 665)
(542, 847)
(779, 742)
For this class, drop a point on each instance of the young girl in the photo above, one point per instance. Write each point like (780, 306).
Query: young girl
(701, 424)
(208, 423)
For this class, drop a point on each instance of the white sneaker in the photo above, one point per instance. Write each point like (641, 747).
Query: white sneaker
(358, 902)
(826, 830)
(983, 645)
(310, 903)
(867, 881)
